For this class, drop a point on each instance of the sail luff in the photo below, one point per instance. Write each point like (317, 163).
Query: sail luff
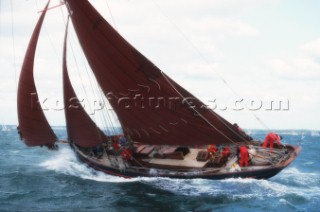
(33, 124)
(81, 129)
(132, 82)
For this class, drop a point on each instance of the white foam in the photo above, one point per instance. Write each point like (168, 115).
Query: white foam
(64, 161)
(308, 163)
(5, 128)
(306, 184)
(287, 203)
(191, 187)
(315, 133)
(293, 133)
(245, 188)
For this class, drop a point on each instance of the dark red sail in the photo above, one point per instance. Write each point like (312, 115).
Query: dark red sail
(151, 107)
(33, 125)
(81, 129)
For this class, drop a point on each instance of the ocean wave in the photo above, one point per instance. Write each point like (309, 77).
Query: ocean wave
(292, 133)
(300, 179)
(315, 133)
(65, 161)
(237, 188)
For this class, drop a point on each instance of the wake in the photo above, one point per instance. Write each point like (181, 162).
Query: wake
(64, 161)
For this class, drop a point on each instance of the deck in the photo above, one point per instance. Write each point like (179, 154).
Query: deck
(188, 161)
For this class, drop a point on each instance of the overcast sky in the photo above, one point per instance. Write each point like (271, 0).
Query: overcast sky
(226, 52)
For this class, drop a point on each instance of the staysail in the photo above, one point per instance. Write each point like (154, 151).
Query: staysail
(151, 107)
(81, 129)
(33, 124)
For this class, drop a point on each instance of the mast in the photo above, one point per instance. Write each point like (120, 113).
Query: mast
(151, 107)
(33, 124)
(81, 129)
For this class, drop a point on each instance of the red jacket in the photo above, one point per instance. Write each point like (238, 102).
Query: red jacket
(212, 149)
(244, 156)
(270, 139)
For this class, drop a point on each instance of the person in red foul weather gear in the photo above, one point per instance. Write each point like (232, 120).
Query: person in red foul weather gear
(116, 147)
(225, 152)
(243, 156)
(212, 149)
(270, 139)
(126, 154)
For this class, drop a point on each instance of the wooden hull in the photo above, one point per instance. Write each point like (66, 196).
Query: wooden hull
(256, 172)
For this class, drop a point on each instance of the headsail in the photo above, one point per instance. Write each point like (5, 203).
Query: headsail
(33, 125)
(151, 107)
(81, 129)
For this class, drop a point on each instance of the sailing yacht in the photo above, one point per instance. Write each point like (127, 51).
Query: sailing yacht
(168, 140)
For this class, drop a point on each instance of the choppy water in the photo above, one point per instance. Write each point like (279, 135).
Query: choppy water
(35, 179)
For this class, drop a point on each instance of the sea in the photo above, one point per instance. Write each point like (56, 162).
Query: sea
(36, 179)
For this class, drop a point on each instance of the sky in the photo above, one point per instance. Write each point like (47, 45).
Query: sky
(256, 63)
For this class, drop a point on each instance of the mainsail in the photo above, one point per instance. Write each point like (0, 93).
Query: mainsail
(33, 125)
(151, 107)
(81, 129)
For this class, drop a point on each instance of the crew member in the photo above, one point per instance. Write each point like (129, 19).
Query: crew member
(225, 152)
(212, 149)
(126, 154)
(122, 141)
(270, 139)
(116, 145)
(243, 156)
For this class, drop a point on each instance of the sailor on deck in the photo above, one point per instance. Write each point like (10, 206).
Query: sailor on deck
(122, 141)
(225, 151)
(212, 149)
(270, 139)
(243, 156)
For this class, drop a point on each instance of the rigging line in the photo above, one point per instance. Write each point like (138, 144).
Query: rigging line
(79, 74)
(65, 57)
(95, 88)
(93, 91)
(75, 60)
(104, 115)
(104, 122)
(13, 47)
(107, 109)
(206, 61)
(53, 7)
(50, 40)
(63, 17)
(112, 18)
(202, 57)
(110, 114)
(200, 115)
